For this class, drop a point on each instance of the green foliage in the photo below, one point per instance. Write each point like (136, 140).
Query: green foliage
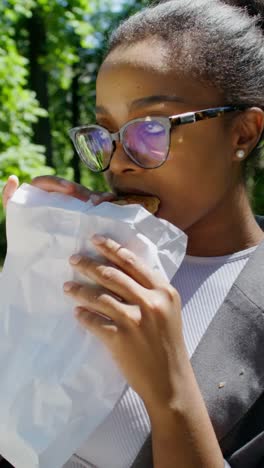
(74, 34)
(19, 109)
(256, 185)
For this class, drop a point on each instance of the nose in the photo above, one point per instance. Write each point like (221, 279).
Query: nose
(121, 163)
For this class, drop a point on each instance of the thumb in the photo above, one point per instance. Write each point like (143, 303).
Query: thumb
(9, 189)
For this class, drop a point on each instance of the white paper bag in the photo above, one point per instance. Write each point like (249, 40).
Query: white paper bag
(58, 381)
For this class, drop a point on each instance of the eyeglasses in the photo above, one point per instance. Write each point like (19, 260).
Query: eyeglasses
(146, 141)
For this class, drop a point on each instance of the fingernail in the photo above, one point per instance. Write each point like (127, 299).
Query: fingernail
(78, 311)
(98, 239)
(75, 259)
(68, 286)
(95, 198)
(13, 177)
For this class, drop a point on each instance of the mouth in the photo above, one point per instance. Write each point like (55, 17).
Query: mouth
(131, 196)
(132, 191)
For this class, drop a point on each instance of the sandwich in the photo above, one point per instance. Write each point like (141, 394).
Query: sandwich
(149, 202)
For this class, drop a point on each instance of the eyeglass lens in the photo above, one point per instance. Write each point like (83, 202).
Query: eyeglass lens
(95, 146)
(146, 142)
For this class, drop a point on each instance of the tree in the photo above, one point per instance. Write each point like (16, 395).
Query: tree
(50, 51)
(19, 109)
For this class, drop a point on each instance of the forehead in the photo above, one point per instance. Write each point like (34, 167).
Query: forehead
(141, 70)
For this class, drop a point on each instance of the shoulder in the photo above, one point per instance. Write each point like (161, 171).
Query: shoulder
(260, 221)
(248, 288)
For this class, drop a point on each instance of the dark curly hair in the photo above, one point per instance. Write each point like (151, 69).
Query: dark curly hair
(217, 41)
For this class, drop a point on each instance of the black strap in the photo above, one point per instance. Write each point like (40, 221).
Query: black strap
(5, 464)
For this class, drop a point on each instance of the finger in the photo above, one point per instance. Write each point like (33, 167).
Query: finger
(98, 197)
(58, 184)
(104, 303)
(100, 327)
(129, 263)
(53, 184)
(109, 277)
(9, 189)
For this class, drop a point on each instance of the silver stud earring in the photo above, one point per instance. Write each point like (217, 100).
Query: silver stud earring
(240, 154)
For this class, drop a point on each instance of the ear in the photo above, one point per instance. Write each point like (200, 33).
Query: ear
(247, 129)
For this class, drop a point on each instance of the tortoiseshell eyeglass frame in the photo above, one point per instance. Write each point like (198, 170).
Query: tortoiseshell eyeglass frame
(192, 117)
(168, 122)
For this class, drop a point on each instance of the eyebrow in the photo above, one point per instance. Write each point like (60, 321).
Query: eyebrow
(146, 101)
(155, 100)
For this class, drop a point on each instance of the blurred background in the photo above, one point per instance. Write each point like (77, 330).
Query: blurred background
(50, 51)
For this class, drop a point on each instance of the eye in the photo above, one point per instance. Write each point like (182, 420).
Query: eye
(154, 127)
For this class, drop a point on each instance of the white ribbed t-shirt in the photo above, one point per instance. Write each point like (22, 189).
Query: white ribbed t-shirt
(203, 283)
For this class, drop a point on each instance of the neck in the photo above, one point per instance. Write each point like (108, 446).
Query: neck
(229, 228)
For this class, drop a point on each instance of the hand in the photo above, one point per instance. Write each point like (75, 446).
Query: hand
(143, 328)
(9, 189)
(57, 184)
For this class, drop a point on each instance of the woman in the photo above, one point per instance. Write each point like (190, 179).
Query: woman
(188, 77)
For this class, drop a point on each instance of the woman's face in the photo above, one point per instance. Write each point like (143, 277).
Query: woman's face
(200, 171)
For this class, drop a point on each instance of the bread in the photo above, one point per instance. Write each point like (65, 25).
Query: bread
(149, 202)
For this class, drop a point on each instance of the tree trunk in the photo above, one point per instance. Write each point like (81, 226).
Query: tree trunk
(39, 81)
(75, 123)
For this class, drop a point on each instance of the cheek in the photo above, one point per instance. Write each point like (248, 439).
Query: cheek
(201, 152)
(195, 177)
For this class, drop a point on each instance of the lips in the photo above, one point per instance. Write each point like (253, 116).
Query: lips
(131, 191)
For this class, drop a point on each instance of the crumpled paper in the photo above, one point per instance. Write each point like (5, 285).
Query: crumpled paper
(58, 381)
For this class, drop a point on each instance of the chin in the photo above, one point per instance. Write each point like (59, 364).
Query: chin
(171, 218)
(162, 214)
